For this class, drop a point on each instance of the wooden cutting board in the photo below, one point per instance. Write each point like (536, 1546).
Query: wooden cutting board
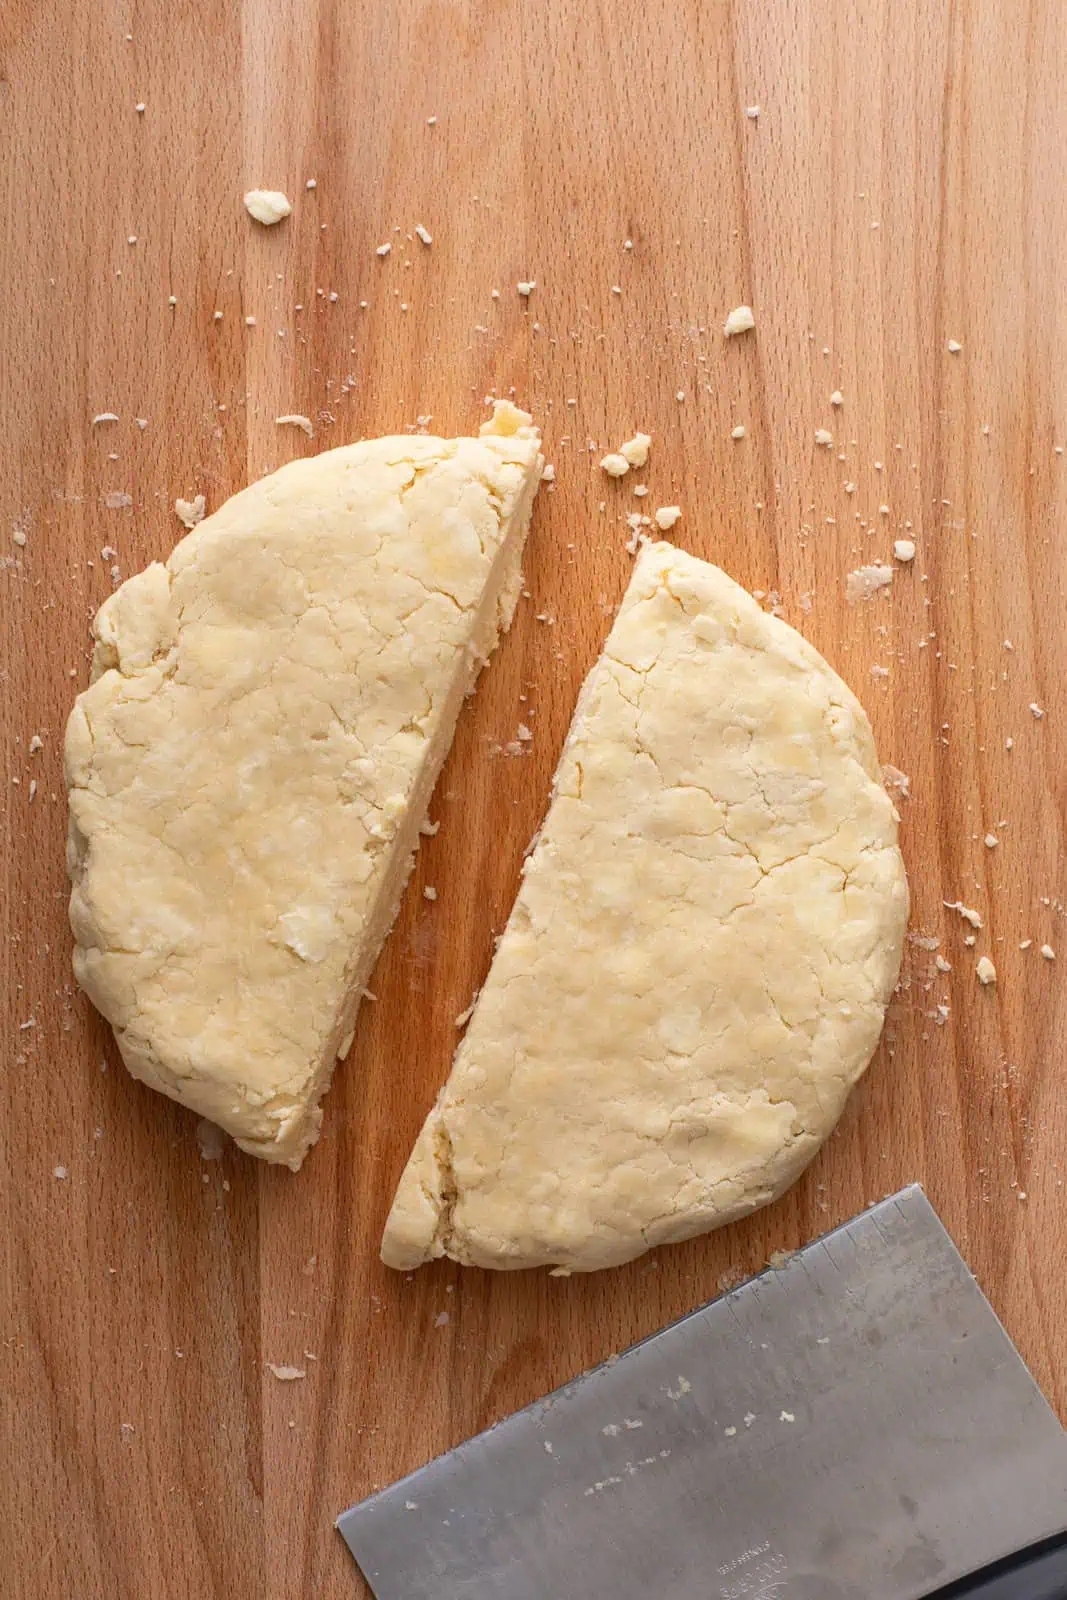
(901, 187)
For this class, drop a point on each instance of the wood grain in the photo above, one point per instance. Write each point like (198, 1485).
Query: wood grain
(902, 186)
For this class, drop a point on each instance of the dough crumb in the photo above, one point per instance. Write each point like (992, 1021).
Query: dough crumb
(59, 1172)
(615, 464)
(987, 972)
(752, 113)
(837, 398)
(991, 841)
(297, 420)
(786, 1416)
(895, 781)
(548, 473)
(1036, 710)
(738, 432)
(191, 511)
(954, 347)
(740, 320)
(104, 416)
(966, 912)
(527, 287)
(904, 549)
(824, 437)
(1048, 952)
(865, 582)
(941, 964)
(667, 516)
(636, 449)
(267, 206)
(429, 892)
(423, 233)
(285, 1374)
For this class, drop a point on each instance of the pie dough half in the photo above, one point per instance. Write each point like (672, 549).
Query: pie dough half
(696, 968)
(247, 771)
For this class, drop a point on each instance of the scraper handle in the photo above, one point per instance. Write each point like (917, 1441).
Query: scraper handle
(1038, 1573)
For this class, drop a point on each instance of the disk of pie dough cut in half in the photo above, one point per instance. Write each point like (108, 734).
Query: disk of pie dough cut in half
(248, 770)
(698, 962)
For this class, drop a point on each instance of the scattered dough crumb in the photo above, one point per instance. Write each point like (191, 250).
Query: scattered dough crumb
(59, 1172)
(941, 964)
(1036, 710)
(191, 511)
(312, 183)
(36, 743)
(895, 781)
(866, 581)
(267, 206)
(991, 841)
(786, 1416)
(987, 972)
(667, 516)
(954, 347)
(383, 249)
(1048, 952)
(297, 420)
(636, 449)
(904, 549)
(966, 912)
(285, 1374)
(429, 892)
(824, 437)
(738, 432)
(527, 287)
(105, 416)
(423, 233)
(740, 320)
(615, 464)
(837, 398)
(548, 473)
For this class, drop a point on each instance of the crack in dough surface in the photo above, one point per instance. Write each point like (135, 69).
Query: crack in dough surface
(696, 968)
(249, 767)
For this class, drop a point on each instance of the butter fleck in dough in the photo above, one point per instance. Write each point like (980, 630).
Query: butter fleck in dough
(696, 968)
(248, 770)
